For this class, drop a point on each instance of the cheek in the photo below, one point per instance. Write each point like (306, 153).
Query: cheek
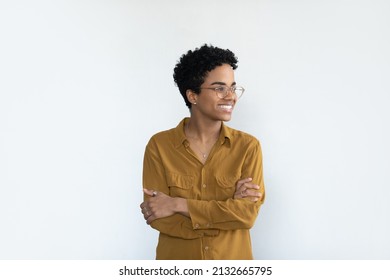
(207, 104)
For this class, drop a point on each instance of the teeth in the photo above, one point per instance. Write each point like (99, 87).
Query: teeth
(226, 106)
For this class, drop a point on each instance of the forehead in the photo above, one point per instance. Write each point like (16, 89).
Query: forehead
(223, 74)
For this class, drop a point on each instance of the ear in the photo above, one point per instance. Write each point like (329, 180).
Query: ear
(191, 96)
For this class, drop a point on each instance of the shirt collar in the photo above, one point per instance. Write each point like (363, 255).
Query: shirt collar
(180, 138)
(225, 135)
(179, 135)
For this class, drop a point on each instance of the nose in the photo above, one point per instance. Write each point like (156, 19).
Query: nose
(230, 94)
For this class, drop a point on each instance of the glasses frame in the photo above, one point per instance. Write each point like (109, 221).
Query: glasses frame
(232, 89)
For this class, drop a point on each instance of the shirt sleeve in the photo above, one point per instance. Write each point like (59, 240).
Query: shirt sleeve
(154, 178)
(232, 213)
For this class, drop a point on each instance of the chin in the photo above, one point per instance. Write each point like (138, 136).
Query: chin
(226, 118)
(222, 117)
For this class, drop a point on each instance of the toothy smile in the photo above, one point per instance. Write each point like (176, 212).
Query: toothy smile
(226, 107)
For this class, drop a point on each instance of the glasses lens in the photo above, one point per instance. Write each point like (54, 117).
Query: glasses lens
(222, 91)
(239, 91)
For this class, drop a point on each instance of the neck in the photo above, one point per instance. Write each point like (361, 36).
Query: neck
(203, 131)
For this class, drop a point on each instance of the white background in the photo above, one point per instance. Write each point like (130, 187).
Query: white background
(85, 84)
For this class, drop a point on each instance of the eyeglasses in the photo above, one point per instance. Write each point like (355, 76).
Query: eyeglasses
(223, 91)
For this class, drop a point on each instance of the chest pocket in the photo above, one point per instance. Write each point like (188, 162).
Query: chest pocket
(180, 185)
(226, 186)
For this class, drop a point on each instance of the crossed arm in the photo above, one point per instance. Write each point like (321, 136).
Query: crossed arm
(160, 205)
(190, 218)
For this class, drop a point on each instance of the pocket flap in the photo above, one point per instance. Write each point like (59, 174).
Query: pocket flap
(180, 180)
(227, 181)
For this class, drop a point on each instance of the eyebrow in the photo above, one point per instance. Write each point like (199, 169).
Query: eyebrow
(222, 84)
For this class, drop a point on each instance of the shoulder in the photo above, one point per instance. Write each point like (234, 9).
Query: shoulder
(162, 136)
(241, 137)
(160, 142)
(245, 144)
(173, 136)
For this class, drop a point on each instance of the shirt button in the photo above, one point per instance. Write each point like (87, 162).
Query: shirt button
(206, 248)
(204, 185)
(196, 225)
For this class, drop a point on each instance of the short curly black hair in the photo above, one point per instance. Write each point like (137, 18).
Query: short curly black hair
(192, 68)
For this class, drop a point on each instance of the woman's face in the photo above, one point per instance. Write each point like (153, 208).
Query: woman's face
(208, 104)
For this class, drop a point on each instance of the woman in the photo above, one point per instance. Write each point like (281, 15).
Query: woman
(203, 181)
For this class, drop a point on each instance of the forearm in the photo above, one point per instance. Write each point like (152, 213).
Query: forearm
(223, 215)
(180, 226)
(190, 218)
(236, 213)
(171, 217)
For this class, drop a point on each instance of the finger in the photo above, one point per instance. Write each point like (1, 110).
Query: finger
(147, 214)
(148, 192)
(251, 186)
(243, 181)
(242, 190)
(243, 193)
(150, 219)
(144, 204)
(253, 193)
(251, 198)
(259, 197)
(247, 186)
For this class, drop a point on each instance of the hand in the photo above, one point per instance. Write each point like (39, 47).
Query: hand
(159, 205)
(247, 190)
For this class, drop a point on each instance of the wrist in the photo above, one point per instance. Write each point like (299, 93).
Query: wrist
(180, 206)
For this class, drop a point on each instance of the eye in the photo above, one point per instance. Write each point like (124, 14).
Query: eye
(220, 89)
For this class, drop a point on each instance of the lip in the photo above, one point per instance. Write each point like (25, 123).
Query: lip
(226, 107)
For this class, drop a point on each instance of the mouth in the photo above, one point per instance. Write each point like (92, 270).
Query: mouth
(226, 107)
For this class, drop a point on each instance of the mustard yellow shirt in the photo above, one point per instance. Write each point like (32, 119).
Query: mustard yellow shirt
(218, 227)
